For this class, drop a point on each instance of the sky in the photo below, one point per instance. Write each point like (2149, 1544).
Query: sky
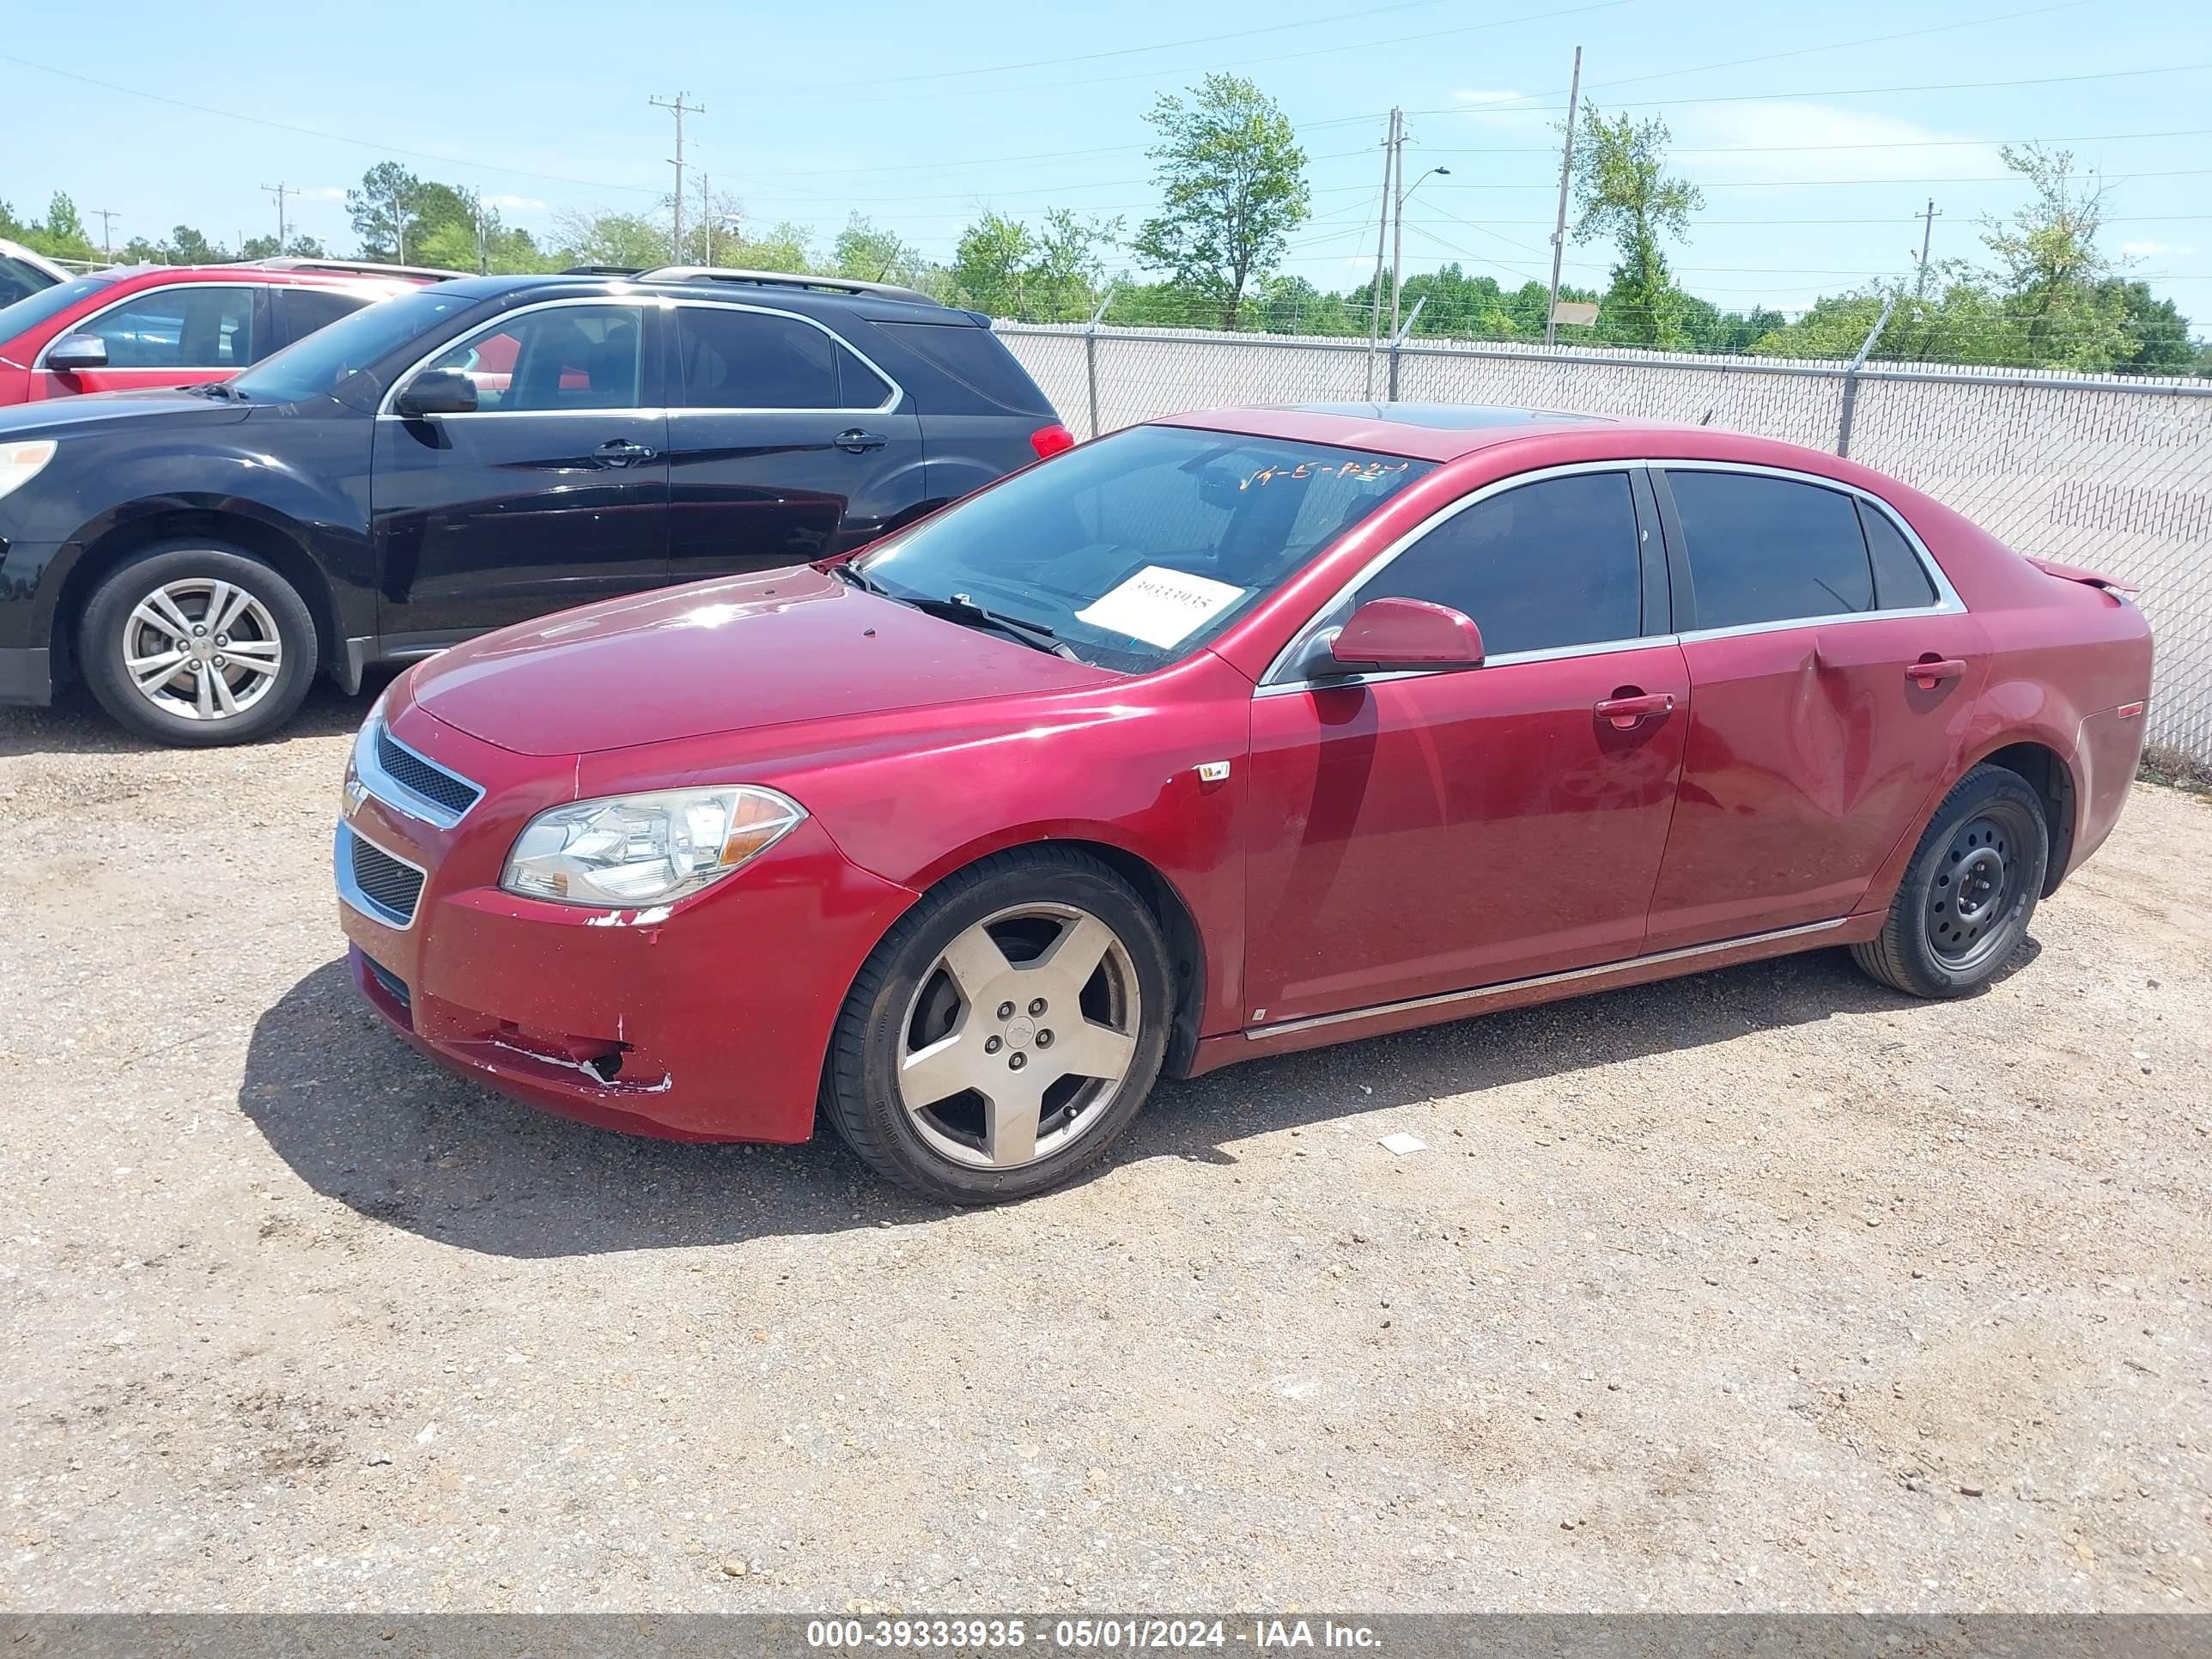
(1817, 134)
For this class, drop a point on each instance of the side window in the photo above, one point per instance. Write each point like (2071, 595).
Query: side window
(306, 309)
(563, 357)
(750, 360)
(1900, 581)
(1769, 549)
(19, 280)
(205, 325)
(1546, 565)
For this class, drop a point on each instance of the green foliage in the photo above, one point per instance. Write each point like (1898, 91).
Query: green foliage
(59, 236)
(1622, 191)
(866, 250)
(300, 248)
(1232, 188)
(1054, 272)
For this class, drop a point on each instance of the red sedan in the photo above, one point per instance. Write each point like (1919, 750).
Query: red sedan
(1230, 734)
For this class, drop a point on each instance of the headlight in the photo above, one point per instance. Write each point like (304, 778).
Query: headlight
(20, 463)
(646, 849)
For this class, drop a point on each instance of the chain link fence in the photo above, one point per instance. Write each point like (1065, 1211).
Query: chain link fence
(2116, 475)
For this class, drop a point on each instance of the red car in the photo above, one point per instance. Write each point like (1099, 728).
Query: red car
(164, 325)
(1230, 734)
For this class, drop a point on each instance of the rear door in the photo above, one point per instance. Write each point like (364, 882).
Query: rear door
(785, 444)
(553, 493)
(1420, 833)
(178, 334)
(1833, 671)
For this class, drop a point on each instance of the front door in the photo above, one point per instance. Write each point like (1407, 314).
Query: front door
(1832, 679)
(785, 446)
(181, 335)
(1411, 834)
(553, 493)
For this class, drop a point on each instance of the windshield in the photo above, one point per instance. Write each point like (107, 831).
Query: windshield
(1138, 548)
(329, 356)
(34, 309)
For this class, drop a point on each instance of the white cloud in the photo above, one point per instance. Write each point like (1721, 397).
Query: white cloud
(321, 193)
(515, 204)
(1780, 140)
(2150, 249)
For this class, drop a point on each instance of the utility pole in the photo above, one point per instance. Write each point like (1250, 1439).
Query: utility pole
(108, 217)
(1382, 234)
(1559, 227)
(398, 229)
(679, 109)
(280, 190)
(484, 251)
(1398, 233)
(706, 214)
(1927, 231)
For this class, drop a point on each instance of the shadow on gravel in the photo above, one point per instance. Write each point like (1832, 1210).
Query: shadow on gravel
(77, 724)
(364, 1119)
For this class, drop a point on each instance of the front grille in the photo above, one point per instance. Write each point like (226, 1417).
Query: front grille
(432, 783)
(391, 887)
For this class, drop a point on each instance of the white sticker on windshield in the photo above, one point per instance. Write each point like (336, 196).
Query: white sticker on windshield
(1160, 606)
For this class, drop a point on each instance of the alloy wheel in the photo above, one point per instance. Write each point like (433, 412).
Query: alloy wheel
(1019, 1036)
(202, 649)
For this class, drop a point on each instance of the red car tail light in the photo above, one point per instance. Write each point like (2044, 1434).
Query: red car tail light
(1049, 440)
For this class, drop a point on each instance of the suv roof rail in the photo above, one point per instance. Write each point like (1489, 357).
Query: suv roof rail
(363, 267)
(601, 270)
(783, 279)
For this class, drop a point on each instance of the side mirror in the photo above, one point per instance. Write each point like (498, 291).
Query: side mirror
(1384, 635)
(75, 351)
(436, 392)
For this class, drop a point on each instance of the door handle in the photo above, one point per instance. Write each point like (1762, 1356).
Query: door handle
(1627, 708)
(621, 452)
(854, 441)
(1930, 670)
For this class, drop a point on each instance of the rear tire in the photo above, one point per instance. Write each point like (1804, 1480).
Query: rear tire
(195, 645)
(1969, 893)
(1003, 1033)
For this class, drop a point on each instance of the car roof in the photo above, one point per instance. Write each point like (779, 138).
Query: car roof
(126, 277)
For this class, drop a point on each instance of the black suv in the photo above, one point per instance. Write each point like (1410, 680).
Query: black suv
(475, 454)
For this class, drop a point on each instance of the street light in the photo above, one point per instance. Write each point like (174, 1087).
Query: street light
(1398, 242)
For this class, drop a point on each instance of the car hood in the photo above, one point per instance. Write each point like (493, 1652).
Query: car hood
(58, 415)
(747, 652)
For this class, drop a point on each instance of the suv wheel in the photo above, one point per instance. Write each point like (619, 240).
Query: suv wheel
(195, 644)
(1966, 898)
(1004, 1032)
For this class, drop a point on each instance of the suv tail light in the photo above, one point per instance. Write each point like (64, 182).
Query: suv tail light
(1049, 440)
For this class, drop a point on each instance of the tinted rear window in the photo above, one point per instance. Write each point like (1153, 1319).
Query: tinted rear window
(974, 358)
(1769, 549)
(1900, 583)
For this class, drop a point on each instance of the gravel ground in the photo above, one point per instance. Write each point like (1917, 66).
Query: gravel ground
(1765, 1289)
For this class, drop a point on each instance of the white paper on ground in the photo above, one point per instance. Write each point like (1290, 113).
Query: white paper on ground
(1402, 1143)
(1160, 606)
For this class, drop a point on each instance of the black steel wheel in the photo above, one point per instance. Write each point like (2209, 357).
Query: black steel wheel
(1965, 903)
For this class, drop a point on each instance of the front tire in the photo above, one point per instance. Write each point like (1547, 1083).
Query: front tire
(1003, 1034)
(195, 645)
(1969, 893)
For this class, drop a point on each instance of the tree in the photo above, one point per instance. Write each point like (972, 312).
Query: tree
(2156, 333)
(59, 236)
(187, 246)
(2056, 279)
(583, 237)
(866, 250)
(1622, 191)
(1067, 273)
(1232, 188)
(396, 214)
(990, 266)
(301, 246)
